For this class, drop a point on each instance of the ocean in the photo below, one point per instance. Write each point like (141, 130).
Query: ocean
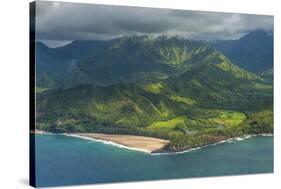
(64, 160)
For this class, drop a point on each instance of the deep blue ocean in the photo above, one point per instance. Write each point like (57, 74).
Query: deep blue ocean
(64, 160)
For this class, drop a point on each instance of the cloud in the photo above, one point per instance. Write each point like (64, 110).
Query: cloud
(56, 43)
(73, 21)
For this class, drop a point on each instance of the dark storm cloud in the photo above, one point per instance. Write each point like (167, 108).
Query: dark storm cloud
(72, 21)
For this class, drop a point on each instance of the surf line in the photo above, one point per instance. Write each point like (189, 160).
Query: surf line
(230, 140)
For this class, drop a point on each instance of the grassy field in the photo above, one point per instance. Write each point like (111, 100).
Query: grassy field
(167, 125)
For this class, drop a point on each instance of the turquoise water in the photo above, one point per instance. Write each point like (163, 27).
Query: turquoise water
(63, 160)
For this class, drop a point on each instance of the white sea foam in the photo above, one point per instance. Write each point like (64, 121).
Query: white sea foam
(230, 140)
(240, 139)
(107, 142)
(265, 134)
(248, 136)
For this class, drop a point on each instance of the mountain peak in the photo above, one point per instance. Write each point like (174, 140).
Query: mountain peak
(253, 52)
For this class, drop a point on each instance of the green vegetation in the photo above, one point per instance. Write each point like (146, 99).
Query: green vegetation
(259, 122)
(169, 124)
(236, 71)
(253, 52)
(186, 92)
(154, 87)
(227, 118)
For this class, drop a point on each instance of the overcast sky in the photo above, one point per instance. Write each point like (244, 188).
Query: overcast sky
(58, 22)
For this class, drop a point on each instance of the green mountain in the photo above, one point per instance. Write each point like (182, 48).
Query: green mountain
(184, 91)
(53, 65)
(127, 59)
(253, 52)
(136, 59)
(221, 84)
(47, 69)
(143, 59)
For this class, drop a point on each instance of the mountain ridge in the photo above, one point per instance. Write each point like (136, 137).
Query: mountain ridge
(253, 52)
(148, 58)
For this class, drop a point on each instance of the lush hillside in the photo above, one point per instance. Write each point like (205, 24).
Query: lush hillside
(54, 64)
(218, 83)
(253, 52)
(127, 59)
(170, 88)
(137, 59)
(49, 70)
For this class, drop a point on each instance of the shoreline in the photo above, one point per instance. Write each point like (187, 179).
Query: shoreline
(229, 140)
(41, 132)
(104, 140)
(107, 142)
(130, 142)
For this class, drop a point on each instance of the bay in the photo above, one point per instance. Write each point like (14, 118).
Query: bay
(63, 160)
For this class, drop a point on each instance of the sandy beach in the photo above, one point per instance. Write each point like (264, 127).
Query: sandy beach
(37, 131)
(148, 144)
